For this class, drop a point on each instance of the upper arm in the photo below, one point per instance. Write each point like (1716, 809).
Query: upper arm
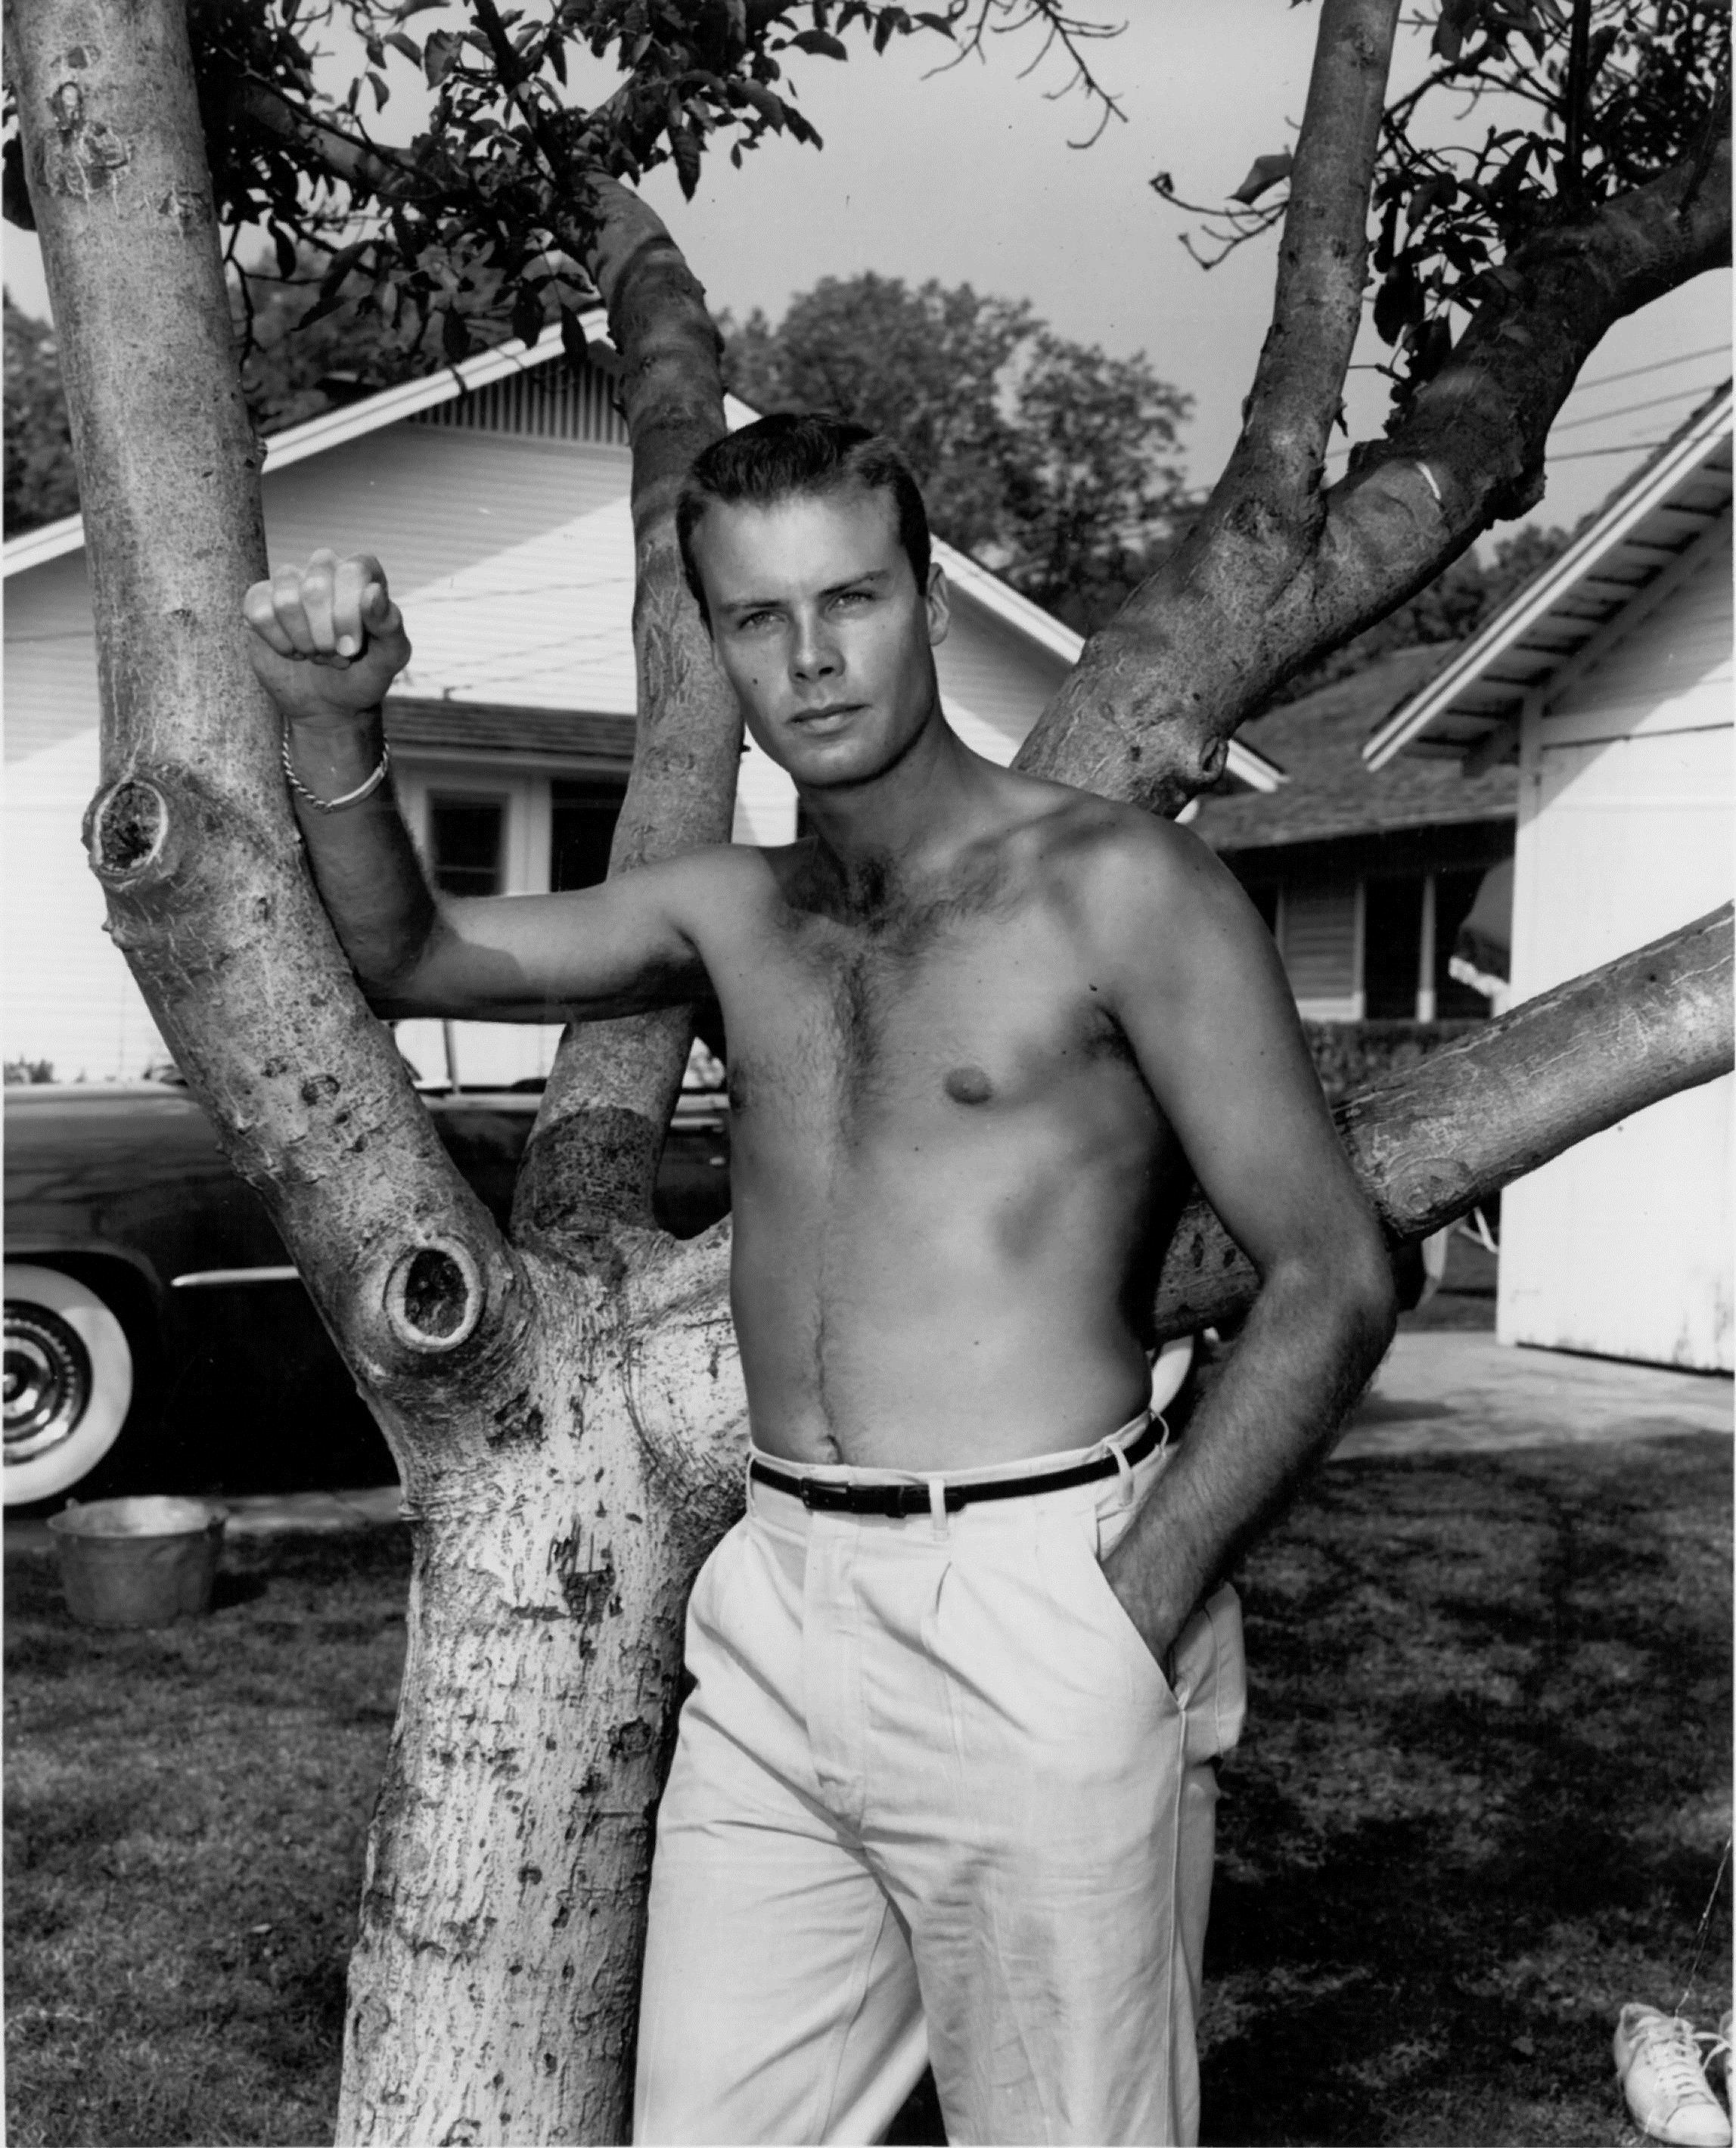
(631, 943)
(1201, 996)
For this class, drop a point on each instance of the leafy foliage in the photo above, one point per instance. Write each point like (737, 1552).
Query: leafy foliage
(1614, 92)
(290, 371)
(472, 226)
(1045, 458)
(41, 483)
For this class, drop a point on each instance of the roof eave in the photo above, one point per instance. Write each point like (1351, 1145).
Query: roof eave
(1650, 490)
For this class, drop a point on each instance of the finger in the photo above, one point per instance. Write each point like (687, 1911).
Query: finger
(259, 610)
(379, 614)
(292, 619)
(349, 588)
(317, 580)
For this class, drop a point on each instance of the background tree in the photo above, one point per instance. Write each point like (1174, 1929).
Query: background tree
(563, 1400)
(1047, 461)
(41, 482)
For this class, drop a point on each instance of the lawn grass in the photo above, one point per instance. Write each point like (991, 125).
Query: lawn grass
(185, 1815)
(1478, 1805)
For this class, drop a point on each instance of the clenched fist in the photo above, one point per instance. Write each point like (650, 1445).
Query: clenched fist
(327, 639)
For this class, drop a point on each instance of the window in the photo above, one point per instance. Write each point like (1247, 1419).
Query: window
(1392, 948)
(582, 814)
(1457, 892)
(467, 840)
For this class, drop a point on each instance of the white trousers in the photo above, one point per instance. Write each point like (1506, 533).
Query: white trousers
(933, 1799)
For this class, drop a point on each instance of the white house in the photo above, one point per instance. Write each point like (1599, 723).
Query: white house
(497, 495)
(1609, 678)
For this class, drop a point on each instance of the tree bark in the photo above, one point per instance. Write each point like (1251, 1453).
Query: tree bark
(565, 1406)
(1279, 569)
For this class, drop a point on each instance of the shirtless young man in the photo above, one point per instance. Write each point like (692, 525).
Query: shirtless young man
(944, 1785)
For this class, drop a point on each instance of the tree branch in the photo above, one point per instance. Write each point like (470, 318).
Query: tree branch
(592, 1158)
(190, 832)
(1317, 308)
(1438, 1140)
(1148, 712)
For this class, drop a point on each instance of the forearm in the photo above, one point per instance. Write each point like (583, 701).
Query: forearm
(1302, 1358)
(363, 862)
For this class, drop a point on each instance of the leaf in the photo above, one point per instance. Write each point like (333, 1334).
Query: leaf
(572, 339)
(285, 246)
(766, 102)
(454, 335)
(408, 46)
(14, 195)
(380, 92)
(375, 50)
(1266, 172)
(1458, 19)
(684, 147)
(1397, 303)
(439, 56)
(821, 42)
(527, 314)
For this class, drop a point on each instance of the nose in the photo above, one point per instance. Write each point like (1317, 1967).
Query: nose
(814, 652)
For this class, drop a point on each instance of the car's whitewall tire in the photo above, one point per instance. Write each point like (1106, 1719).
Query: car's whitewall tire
(69, 1382)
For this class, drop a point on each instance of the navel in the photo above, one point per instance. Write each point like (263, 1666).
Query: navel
(968, 1085)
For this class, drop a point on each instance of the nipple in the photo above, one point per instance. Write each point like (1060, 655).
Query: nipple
(968, 1085)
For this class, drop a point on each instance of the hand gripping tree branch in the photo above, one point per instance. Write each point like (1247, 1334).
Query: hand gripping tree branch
(958, 951)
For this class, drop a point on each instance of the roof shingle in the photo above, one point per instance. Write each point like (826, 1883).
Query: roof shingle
(1332, 791)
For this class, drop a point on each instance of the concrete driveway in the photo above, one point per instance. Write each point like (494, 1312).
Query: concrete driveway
(1450, 1390)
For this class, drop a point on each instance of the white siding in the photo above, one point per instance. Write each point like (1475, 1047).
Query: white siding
(513, 558)
(1318, 934)
(1627, 810)
(69, 997)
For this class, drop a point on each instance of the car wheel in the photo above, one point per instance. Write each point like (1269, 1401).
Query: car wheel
(69, 1382)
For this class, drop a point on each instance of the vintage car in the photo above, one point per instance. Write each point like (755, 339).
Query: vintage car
(157, 1336)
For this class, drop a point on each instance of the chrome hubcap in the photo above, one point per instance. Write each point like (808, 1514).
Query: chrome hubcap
(47, 1379)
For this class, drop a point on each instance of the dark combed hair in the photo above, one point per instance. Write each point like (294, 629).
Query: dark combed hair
(794, 452)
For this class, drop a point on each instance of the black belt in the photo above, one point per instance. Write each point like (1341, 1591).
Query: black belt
(897, 1500)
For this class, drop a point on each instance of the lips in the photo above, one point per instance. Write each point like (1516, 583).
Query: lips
(831, 712)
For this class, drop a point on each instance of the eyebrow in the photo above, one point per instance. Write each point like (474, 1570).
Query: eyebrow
(738, 605)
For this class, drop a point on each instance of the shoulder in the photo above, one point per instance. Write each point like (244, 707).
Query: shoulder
(1150, 902)
(1123, 865)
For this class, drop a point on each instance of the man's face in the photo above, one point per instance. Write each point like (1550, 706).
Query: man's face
(821, 630)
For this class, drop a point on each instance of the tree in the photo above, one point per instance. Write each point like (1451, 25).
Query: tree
(290, 371)
(40, 483)
(1047, 460)
(564, 1400)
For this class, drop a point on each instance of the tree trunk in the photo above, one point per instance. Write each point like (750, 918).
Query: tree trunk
(565, 1407)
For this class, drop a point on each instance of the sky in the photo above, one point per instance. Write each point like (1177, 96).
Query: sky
(967, 176)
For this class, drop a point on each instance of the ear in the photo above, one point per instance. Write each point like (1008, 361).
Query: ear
(939, 607)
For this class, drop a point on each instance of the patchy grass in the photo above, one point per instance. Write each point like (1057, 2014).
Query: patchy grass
(1481, 1798)
(185, 1813)
(1479, 1805)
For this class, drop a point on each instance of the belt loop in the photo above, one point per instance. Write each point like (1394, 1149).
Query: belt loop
(937, 1508)
(1162, 1446)
(1124, 1470)
(747, 1485)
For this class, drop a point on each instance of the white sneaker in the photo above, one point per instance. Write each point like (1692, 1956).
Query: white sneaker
(1657, 2063)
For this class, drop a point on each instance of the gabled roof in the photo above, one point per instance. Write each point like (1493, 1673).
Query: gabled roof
(389, 406)
(1331, 793)
(1630, 557)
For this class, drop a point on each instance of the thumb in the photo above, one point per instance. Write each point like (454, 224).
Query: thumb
(379, 614)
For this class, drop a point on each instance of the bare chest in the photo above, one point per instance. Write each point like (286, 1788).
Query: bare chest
(840, 1031)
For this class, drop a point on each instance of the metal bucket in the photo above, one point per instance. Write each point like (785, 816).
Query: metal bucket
(138, 1561)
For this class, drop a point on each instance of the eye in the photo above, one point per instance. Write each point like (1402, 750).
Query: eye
(853, 597)
(750, 621)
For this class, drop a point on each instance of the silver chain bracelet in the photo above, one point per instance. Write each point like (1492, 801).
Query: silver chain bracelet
(350, 797)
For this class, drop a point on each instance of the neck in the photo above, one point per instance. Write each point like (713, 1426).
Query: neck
(907, 816)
